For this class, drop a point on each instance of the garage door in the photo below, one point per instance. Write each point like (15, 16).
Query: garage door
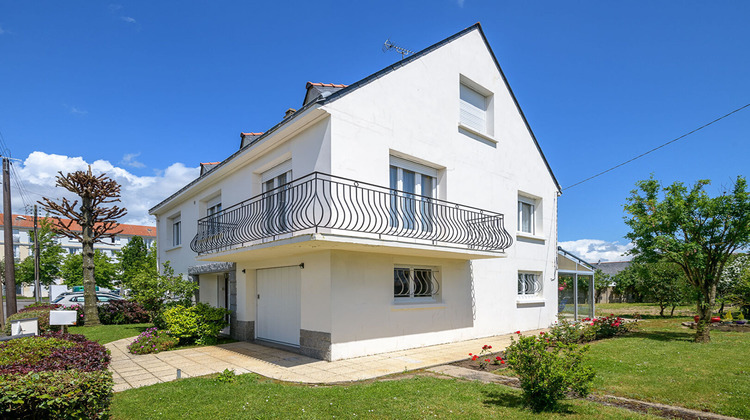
(279, 305)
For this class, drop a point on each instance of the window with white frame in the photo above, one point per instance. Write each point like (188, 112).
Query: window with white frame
(528, 215)
(529, 284)
(415, 187)
(275, 186)
(413, 283)
(475, 110)
(213, 208)
(176, 230)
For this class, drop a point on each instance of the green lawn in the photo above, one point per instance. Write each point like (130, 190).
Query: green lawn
(660, 363)
(647, 310)
(414, 398)
(108, 333)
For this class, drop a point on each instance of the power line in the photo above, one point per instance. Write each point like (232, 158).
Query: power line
(657, 148)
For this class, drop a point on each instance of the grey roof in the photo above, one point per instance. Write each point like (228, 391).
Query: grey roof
(317, 91)
(205, 167)
(612, 267)
(326, 98)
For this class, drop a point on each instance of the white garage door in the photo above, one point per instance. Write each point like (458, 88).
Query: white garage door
(279, 305)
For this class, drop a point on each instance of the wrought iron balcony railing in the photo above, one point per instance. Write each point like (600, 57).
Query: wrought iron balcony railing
(319, 202)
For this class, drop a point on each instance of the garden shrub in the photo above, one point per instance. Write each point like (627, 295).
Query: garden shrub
(152, 341)
(41, 312)
(548, 372)
(117, 312)
(54, 376)
(46, 353)
(566, 332)
(65, 394)
(201, 323)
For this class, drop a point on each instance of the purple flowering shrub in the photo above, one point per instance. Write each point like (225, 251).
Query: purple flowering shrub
(117, 312)
(152, 340)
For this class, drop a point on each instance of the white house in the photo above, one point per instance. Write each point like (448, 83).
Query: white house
(410, 208)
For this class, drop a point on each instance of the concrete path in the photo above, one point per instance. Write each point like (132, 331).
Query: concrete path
(133, 371)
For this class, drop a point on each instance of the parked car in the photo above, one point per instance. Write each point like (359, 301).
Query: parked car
(78, 299)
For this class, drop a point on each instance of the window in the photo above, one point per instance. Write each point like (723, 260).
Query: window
(176, 230)
(475, 110)
(16, 251)
(212, 212)
(526, 217)
(415, 283)
(415, 186)
(529, 284)
(275, 183)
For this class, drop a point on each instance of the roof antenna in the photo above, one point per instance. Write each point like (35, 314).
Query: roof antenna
(388, 45)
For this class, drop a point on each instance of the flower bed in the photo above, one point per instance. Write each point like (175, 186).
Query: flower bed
(152, 340)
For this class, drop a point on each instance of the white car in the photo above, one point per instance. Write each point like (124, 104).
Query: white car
(78, 299)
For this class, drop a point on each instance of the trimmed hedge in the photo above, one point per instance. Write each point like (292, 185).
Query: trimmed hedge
(35, 354)
(65, 394)
(117, 312)
(54, 376)
(38, 311)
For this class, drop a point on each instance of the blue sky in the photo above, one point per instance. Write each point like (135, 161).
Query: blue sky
(147, 90)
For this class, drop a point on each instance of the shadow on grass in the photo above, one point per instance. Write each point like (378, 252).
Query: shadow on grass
(663, 335)
(509, 399)
(649, 316)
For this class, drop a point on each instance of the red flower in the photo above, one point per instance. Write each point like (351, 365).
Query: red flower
(475, 358)
(486, 360)
(489, 347)
(502, 362)
(498, 358)
(470, 354)
(541, 332)
(518, 332)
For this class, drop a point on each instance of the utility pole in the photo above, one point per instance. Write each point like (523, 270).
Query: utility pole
(37, 284)
(10, 262)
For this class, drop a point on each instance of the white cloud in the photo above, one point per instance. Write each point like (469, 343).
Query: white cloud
(129, 160)
(74, 110)
(139, 193)
(460, 3)
(127, 19)
(595, 250)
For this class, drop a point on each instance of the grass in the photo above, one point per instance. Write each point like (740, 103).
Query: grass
(660, 363)
(414, 398)
(108, 333)
(646, 310)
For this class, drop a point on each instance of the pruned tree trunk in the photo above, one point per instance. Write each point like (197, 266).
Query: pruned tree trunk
(671, 313)
(90, 310)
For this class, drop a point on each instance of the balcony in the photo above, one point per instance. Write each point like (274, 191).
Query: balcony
(323, 204)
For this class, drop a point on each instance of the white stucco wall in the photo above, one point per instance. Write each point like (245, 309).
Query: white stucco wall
(412, 113)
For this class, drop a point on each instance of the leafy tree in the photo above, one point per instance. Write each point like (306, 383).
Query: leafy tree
(135, 258)
(104, 276)
(96, 220)
(152, 290)
(50, 257)
(662, 282)
(602, 281)
(627, 284)
(740, 294)
(687, 227)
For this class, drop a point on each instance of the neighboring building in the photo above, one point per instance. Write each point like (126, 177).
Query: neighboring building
(411, 208)
(23, 235)
(612, 268)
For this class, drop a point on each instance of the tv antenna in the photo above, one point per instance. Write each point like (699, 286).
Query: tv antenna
(388, 45)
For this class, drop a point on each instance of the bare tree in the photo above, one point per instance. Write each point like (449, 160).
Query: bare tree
(95, 220)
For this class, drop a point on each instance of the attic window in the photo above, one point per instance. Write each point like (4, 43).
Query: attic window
(475, 111)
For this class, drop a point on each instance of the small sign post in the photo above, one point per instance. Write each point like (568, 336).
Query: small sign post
(63, 318)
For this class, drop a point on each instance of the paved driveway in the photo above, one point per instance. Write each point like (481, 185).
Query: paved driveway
(132, 371)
